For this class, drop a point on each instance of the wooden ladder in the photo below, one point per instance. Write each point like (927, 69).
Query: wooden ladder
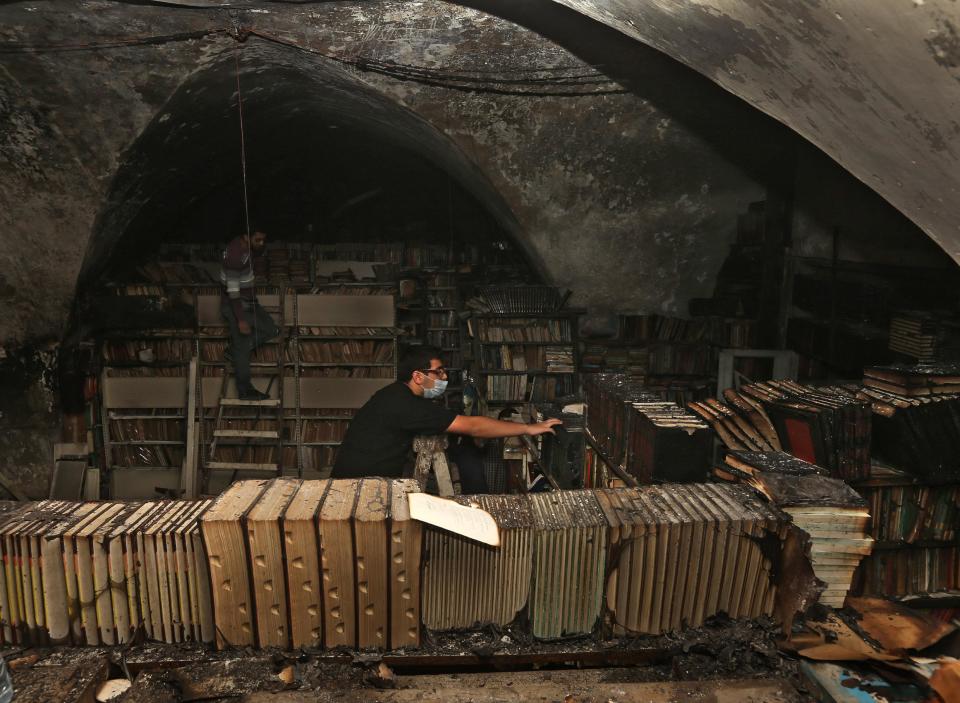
(249, 440)
(431, 456)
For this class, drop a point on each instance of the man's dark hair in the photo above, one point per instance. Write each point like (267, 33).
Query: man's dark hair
(416, 359)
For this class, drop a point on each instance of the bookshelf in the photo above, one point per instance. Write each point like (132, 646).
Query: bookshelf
(335, 351)
(915, 525)
(519, 357)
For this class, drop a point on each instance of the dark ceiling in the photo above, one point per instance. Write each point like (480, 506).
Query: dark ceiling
(327, 159)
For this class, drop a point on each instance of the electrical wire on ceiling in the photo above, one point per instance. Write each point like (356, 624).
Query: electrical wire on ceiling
(530, 82)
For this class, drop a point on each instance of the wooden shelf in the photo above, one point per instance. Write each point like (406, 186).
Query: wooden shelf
(147, 442)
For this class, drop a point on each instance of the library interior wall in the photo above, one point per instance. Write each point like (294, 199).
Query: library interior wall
(628, 198)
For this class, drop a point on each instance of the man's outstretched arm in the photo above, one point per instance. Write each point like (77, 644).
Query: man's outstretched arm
(488, 428)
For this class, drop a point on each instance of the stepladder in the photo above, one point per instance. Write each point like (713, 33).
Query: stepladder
(247, 436)
(431, 453)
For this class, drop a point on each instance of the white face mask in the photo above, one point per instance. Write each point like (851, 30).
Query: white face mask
(438, 389)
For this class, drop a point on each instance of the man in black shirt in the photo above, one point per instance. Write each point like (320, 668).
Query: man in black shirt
(380, 437)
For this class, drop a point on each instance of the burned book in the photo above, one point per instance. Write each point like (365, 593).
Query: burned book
(914, 380)
(498, 577)
(829, 426)
(917, 434)
(667, 443)
(832, 513)
(680, 554)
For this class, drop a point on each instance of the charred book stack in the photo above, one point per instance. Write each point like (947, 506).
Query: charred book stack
(339, 564)
(680, 554)
(610, 399)
(104, 573)
(827, 509)
(668, 443)
(829, 426)
(916, 418)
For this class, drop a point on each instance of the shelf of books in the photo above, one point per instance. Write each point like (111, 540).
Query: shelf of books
(914, 523)
(523, 356)
(335, 351)
(674, 357)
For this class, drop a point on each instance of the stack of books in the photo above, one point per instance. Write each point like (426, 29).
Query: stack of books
(363, 591)
(101, 573)
(499, 577)
(829, 426)
(916, 418)
(668, 443)
(914, 381)
(504, 300)
(681, 554)
(915, 334)
(827, 509)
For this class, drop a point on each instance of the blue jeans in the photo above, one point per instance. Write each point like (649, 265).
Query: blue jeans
(262, 329)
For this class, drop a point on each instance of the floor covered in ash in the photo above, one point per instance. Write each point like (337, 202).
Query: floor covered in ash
(724, 661)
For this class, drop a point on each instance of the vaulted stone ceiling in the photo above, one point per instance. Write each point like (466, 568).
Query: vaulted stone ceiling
(626, 191)
(876, 85)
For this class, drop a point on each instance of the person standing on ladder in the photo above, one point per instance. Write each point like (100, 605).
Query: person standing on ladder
(250, 325)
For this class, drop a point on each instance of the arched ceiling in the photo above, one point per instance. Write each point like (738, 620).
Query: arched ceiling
(875, 85)
(316, 139)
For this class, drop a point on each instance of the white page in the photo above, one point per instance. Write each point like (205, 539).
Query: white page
(473, 523)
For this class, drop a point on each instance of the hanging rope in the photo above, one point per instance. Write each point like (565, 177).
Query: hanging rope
(243, 150)
(246, 199)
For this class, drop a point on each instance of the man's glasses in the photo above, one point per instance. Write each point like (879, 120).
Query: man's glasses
(440, 371)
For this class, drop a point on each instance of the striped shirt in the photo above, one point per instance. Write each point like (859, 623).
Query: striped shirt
(236, 274)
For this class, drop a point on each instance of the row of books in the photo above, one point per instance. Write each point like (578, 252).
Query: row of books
(910, 570)
(443, 319)
(833, 515)
(718, 331)
(507, 300)
(441, 299)
(353, 351)
(634, 361)
(680, 389)
(348, 372)
(524, 358)
(501, 388)
(322, 431)
(104, 573)
(149, 429)
(311, 458)
(679, 555)
(655, 358)
(389, 252)
(920, 435)
(609, 399)
(147, 352)
(418, 255)
(667, 443)
(911, 513)
(914, 381)
(519, 329)
(546, 388)
(280, 265)
(828, 426)
(445, 339)
(682, 359)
